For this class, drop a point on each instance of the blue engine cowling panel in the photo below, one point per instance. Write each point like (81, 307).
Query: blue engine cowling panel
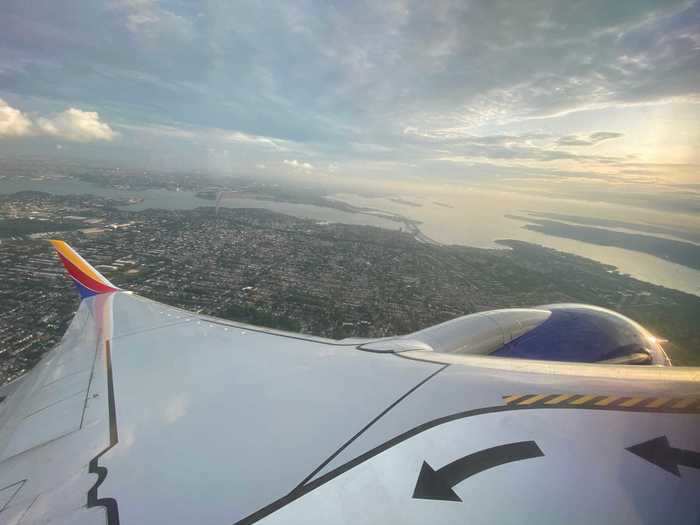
(582, 333)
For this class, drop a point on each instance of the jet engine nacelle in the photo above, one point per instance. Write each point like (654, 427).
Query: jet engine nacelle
(556, 332)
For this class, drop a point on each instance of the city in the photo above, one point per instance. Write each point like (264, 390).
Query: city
(265, 268)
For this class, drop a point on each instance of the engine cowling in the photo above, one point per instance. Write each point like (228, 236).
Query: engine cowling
(556, 332)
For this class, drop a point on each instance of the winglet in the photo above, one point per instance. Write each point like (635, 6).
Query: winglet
(88, 280)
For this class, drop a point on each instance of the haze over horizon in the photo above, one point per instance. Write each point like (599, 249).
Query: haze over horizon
(591, 101)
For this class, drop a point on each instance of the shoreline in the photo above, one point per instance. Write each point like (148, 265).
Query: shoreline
(674, 278)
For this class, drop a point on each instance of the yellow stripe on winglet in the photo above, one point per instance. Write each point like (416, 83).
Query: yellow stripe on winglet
(559, 399)
(614, 402)
(685, 403)
(532, 400)
(582, 400)
(69, 253)
(656, 403)
(605, 402)
(632, 402)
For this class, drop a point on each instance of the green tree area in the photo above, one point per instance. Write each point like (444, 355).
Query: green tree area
(23, 227)
(260, 317)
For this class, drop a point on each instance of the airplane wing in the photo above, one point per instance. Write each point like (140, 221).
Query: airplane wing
(145, 413)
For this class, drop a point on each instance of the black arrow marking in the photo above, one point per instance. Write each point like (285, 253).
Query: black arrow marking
(660, 452)
(437, 484)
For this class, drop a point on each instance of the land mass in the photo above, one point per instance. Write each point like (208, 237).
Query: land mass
(331, 280)
(405, 202)
(678, 252)
(688, 235)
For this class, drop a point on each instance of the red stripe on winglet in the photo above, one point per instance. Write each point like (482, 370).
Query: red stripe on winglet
(87, 282)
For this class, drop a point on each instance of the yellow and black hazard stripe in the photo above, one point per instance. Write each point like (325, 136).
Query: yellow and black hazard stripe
(605, 402)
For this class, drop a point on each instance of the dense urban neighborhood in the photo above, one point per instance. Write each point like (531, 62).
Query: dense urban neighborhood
(275, 270)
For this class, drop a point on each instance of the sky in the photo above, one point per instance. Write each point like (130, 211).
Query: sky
(593, 99)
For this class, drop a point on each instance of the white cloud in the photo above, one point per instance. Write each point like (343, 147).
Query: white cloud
(591, 140)
(213, 135)
(72, 124)
(299, 165)
(161, 130)
(13, 123)
(149, 19)
(259, 140)
(363, 147)
(76, 125)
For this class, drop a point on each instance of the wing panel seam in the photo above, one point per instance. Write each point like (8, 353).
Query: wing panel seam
(367, 426)
(325, 478)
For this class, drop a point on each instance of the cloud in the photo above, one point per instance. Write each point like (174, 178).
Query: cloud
(217, 136)
(462, 136)
(76, 125)
(147, 18)
(573, 140)
(362, 147)
(13, 123)
(592, 139)
(162, 130)
(603, 135)
(542, 147)
(401, 82)
(298, 165)
(529, 153)
(72, 124)
(543, 63)
(256, 140)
